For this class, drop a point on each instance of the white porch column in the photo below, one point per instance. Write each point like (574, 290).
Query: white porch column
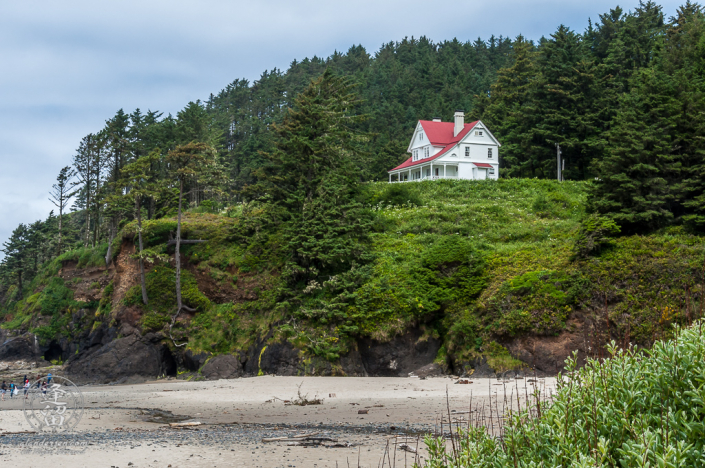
(390, 177)
(445, 174)
(409, 175)
(432, 176)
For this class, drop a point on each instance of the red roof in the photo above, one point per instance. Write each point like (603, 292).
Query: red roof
(438, 133)
(483, 165)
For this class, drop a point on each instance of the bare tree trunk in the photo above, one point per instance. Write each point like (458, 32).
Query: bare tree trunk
(177, 254)
(111, 236)
(139, 236)
(88, 228)
(179, 304)
(61, 213)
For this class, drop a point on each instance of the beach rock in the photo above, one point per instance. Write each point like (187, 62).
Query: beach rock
(194, 361)
(127, 360)
(276, 358)
(225, 366)
(24, 348)
(399, 356)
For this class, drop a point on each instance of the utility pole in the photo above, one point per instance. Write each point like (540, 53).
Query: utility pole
(558, 160)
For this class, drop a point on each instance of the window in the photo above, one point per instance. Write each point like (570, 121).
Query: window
(491, 171)
(478, 132)
(416, 154)
(453, 155)
(421, 136)
(467, 151)
(426, 152)
(489, 153)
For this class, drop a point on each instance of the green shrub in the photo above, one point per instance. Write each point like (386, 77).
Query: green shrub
(399, 195)
(595, 233)
(161, 290)
(638, 408)
(55, 297)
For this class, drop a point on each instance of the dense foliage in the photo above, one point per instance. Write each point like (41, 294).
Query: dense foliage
(272, 182)
(638, 408)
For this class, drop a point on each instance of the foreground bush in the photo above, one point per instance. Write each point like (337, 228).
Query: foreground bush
(637, 409)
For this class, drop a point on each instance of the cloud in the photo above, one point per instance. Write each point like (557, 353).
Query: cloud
(68, 66)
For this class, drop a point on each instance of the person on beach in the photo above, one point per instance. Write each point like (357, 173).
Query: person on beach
(3, 389)
(26, 388)
(49, 378)
(12, 389)
(44, 387)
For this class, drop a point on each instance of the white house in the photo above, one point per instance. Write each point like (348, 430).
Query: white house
(450, 150)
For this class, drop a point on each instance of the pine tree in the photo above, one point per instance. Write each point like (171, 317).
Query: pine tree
(60, 195)
(141, 185)
(16, 255)
(508, 111)
(633, 186)
(312, 176)
(188, 164)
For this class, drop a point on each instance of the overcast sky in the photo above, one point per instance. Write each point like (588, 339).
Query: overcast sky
(66, 67)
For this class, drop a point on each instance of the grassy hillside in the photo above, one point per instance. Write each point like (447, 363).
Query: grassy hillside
(478, 265)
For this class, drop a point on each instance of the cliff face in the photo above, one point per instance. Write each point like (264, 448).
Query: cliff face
(475, 278)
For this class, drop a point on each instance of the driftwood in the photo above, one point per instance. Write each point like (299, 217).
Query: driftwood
(301, 439)
(407, 448)
(185, 424)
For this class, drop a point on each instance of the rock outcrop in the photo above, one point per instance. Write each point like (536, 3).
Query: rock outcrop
(125, 360)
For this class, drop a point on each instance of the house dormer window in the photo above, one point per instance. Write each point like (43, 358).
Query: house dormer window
(478, 132)
(421, 136)
(489, 153)
(426, 152)
(416, 155)
(467, 151)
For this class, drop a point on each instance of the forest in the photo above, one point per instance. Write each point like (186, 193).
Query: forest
(272, 186)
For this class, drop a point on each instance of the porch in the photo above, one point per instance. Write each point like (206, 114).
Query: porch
(424, 172)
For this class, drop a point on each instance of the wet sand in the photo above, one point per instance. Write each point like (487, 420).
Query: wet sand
(128, 425)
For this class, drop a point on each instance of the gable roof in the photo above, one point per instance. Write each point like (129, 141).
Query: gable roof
(439, 134)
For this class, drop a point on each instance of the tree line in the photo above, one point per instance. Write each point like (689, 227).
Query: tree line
(623, 99)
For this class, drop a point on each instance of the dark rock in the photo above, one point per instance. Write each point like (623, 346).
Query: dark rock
(225, 366)
(399, 356)
(480, 368)
(21, 348)
(130, 359)
(194, 361)
(277, 358)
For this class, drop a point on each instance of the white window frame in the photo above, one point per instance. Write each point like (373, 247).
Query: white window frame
(467, 151)
(478, 132)
(489, 153)
(491, 171)
(426, 152)
(421, 136)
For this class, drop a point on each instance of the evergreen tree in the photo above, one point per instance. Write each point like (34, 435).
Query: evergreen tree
(187, 164)
(633, 186)
(60, 196)
(16, 255)
(312, 176)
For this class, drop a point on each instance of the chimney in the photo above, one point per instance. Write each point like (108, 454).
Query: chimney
(459, 122)
(436, 119)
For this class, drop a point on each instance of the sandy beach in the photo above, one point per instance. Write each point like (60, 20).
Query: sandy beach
(128, 425)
